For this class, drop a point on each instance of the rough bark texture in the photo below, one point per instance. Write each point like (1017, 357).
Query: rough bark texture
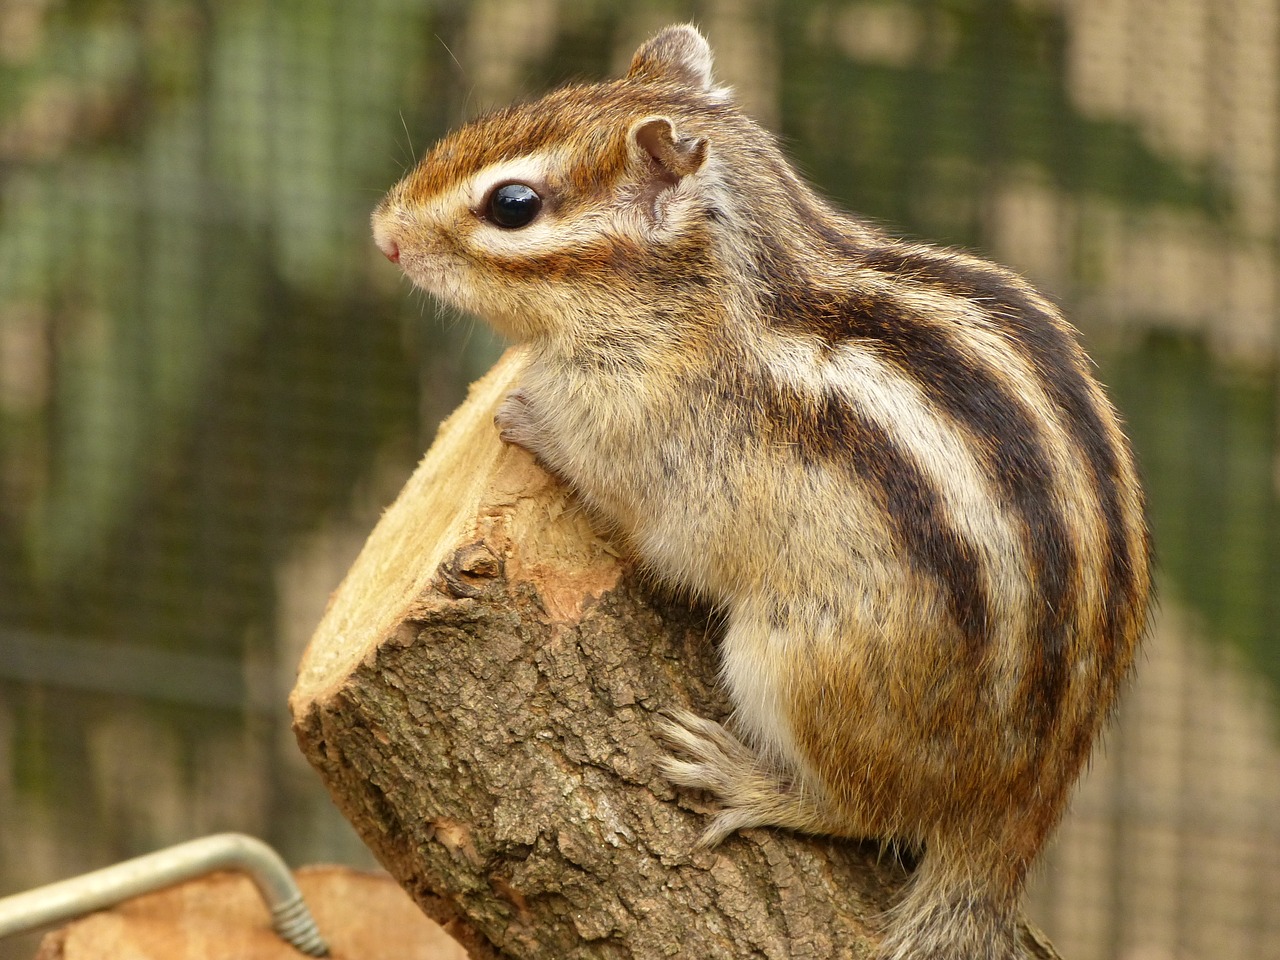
(480, 700)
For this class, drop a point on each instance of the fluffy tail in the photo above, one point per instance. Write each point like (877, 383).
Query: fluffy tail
(949, 914)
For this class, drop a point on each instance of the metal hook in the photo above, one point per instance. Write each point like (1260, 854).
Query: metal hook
(164, 868)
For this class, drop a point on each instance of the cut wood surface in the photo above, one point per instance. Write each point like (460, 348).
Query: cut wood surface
(480, 700)
(222, 917)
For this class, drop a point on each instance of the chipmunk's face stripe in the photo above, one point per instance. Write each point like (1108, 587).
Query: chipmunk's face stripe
(588, 122)
(533, 169)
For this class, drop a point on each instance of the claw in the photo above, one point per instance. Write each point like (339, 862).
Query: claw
(751, 794)
(518, 425)
(724, 824)
(514, 420)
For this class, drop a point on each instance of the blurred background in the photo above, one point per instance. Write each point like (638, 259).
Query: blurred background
(211, 382)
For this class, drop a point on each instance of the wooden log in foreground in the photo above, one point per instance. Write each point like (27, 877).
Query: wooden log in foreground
(480, 700)
(362, 916)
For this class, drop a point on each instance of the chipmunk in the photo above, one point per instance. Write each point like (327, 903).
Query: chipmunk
(886, 463)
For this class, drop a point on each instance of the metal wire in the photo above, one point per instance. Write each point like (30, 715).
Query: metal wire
(77, 896)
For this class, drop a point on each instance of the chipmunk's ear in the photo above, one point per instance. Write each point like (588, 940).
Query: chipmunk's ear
(663, 160)
(678, 54)
(670, 156)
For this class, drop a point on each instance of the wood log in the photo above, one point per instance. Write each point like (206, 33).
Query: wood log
(480, 700)
(361, 915)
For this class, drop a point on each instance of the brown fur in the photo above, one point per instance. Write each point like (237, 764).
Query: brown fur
(888, 464)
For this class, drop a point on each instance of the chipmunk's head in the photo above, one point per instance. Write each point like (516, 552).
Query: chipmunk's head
(578, 205)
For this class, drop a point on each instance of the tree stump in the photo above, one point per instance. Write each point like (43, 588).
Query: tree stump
(480, 699)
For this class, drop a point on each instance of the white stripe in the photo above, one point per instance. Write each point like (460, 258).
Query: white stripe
(896, 403)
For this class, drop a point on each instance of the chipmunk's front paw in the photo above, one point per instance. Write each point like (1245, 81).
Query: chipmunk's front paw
(514, 420)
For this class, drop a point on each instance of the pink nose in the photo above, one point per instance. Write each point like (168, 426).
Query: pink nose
(384, 238)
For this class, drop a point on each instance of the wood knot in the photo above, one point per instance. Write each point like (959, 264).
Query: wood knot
(471, 571)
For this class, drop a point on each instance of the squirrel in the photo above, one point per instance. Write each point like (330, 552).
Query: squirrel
(886, 463)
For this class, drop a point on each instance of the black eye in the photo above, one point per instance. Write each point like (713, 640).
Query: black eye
(514, 205)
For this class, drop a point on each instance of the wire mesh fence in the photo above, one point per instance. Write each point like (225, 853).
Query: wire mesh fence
(210, 381)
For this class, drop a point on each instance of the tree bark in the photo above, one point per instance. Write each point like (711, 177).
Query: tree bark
(480, 699)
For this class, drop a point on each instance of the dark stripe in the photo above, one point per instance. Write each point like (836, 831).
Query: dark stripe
(1002, 429)
(681, 268)
(1009, 449)
(918, 517)
(828, 429)
(594, 119)
(1056, 357)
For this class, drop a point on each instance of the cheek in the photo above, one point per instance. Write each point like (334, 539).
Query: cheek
(443, 276)
(519, 310)
(433, 260)
(508, 278)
